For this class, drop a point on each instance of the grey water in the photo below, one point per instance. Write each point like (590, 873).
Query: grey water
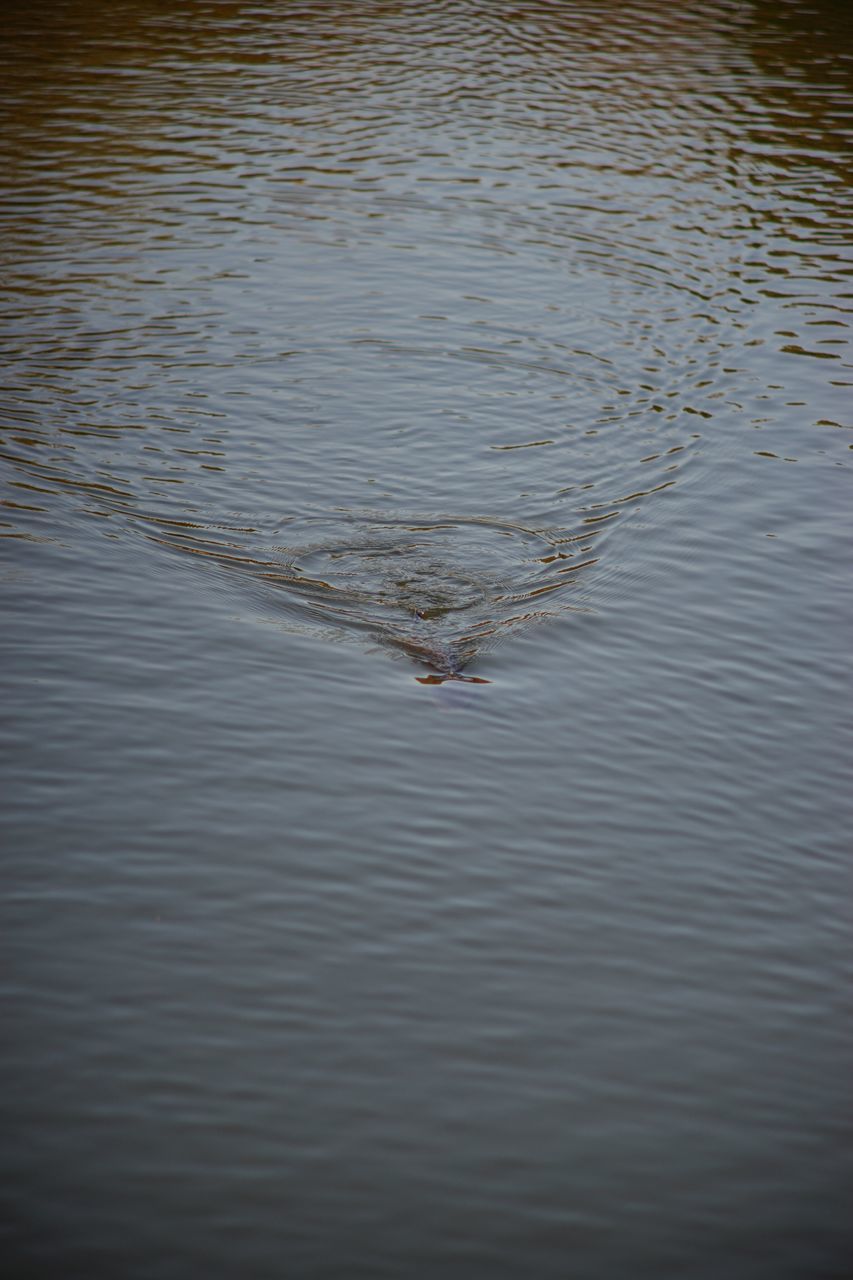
(426, 514)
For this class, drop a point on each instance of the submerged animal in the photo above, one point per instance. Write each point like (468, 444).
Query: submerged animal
(443, 660)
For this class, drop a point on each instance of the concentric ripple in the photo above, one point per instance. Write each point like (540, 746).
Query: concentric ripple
(403, 311)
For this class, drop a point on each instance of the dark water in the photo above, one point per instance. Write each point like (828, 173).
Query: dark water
(427, 519)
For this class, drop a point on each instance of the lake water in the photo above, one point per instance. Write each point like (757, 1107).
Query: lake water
(426, 652)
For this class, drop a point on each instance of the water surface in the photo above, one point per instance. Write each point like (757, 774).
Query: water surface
(425, 498)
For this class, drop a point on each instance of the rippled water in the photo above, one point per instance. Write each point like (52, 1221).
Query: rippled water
(426, 525)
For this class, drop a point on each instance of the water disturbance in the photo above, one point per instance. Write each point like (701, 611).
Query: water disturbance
(425, 531)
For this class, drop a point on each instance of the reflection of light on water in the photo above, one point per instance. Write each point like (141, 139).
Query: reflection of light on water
(280, 278)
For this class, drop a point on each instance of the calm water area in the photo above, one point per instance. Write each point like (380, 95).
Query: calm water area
(427, 521)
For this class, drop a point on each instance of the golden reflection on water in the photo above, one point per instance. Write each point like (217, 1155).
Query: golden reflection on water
(263, 256)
